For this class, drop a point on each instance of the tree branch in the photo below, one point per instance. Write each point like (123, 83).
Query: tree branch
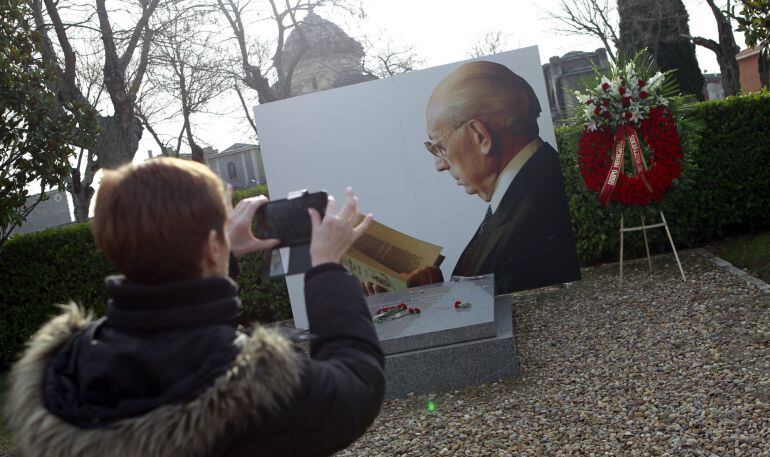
(245, 108)
(137, 33)
(108, 38)
(61, 35)
(143, 59)
(705, 42)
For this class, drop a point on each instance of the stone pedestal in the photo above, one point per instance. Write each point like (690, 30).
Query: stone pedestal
(444, 348)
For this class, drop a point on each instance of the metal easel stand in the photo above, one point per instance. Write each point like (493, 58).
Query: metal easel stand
(644, 228)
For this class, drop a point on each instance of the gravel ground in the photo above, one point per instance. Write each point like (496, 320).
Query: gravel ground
(671, 369)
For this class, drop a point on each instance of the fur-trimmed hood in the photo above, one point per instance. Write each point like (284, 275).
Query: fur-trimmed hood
(264, 374)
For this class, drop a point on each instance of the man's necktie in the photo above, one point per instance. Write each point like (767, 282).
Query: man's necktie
(484, 222)
(473, 246)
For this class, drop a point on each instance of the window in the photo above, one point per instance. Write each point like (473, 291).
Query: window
(231, 170)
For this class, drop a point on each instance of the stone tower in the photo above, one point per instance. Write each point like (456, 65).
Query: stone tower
(661, 27)
(326, 57)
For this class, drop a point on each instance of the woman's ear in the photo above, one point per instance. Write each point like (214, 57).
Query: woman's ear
(481, 135)
(211, 253)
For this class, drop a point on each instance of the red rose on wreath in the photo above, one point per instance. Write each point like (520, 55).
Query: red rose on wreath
(664, 155)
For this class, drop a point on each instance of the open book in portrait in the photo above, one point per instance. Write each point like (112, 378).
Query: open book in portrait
(385, 257)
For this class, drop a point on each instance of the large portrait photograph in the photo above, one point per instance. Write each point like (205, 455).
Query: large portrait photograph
(457, 163)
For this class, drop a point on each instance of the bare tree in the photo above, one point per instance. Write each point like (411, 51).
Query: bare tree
(125, 53)
(188, 67)
(389, 59)
(725, 49)
(596, 18)
(154, 107)
(491, 42)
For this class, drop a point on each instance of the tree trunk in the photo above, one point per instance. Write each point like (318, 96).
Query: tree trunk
(196, 152)
(79, 187)
(114, 147)
(728, 64)
(661, 27)
(118, 141)
(731, 78)
(764, 70)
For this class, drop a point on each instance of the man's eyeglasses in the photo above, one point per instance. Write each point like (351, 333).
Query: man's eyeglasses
(437, 147)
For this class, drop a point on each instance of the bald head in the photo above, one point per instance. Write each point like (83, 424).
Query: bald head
(489, 92)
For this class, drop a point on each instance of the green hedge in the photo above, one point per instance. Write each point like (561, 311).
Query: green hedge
(266, 301)
(41, 269)
(725, 189)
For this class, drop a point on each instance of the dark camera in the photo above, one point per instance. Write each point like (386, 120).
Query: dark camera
(288, 219)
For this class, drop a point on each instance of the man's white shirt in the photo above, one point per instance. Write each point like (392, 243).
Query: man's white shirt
(510, 171)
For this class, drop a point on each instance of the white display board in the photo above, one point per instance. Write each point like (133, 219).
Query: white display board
(370, 136)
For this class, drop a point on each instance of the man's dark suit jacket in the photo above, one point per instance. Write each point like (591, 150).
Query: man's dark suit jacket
(528, 241)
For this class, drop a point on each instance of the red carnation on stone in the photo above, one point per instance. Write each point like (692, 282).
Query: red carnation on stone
(605, 87)
(642, 83)
(606, 102)
(622, 90)
(643, 95)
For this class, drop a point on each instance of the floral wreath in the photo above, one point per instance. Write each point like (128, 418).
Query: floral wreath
(619, 110)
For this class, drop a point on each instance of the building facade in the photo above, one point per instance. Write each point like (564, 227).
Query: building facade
(239, 165)
(326, 57)
(566, 74)
(748, 66)
(713, 88)
(52, 212)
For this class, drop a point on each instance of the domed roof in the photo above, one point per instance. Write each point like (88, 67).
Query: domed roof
(323, 37)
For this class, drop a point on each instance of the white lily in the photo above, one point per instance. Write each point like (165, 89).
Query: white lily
(614, 85)
(654, 82)
(581, 97)
(630, 72)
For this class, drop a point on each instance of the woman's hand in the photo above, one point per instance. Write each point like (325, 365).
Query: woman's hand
(242, 239)
(333, 236)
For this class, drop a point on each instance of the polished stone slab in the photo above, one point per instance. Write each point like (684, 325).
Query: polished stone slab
(457, 365)
(439, 322)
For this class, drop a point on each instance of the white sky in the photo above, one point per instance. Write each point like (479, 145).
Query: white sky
(441, 31)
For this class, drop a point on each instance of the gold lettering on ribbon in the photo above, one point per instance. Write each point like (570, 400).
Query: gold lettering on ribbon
(617, 162)
(637, 156)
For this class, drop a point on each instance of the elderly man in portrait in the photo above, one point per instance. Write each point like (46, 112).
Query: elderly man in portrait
(482, 123)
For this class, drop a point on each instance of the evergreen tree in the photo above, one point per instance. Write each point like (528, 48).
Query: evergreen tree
(661, 27)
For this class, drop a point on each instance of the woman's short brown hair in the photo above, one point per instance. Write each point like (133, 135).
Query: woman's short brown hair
(152, 219)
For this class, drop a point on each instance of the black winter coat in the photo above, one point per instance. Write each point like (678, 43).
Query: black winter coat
(165, 373)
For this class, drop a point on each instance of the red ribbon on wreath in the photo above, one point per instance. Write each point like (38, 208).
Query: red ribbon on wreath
(600, 158)
(623, 132)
